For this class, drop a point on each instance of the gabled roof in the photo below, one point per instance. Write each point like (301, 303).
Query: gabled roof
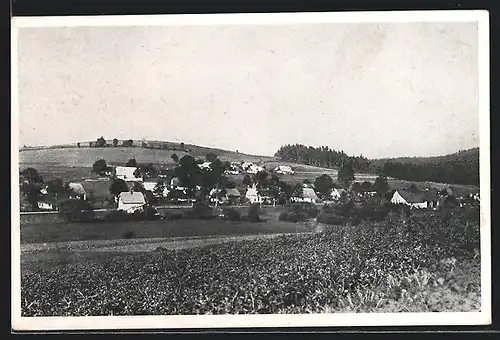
(132, 197)
(309, 193)
(417, 197)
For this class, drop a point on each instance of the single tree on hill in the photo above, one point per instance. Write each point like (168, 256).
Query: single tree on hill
(115, 142)
(99, 166)
(101, 142)
(346, 174)
(182, 146)
(381, 186)
(78, 144)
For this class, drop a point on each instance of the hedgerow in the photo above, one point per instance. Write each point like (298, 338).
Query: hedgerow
(351, 267)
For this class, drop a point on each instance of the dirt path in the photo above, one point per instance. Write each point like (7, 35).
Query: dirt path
(138, 245)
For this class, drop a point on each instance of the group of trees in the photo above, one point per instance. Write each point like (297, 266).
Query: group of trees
(31, 184)
(102, 143)
(321, 156)
(456, 170)
(459, 168)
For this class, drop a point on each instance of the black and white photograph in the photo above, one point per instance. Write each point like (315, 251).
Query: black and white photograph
(251, 170)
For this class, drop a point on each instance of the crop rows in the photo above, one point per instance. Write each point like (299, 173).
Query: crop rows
(362, 267)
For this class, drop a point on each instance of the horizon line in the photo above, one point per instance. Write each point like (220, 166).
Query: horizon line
(73, 144)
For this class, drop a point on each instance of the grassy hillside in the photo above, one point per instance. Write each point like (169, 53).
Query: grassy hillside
(86, 156)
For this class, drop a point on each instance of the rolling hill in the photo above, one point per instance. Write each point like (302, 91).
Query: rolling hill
(70, 155)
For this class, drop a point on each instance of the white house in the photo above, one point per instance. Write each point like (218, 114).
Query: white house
(126, 173)
(253, 169)
(253, 196)
(149, 186)
(337, 193)
(308, 195)
(418, 200)
(131, 201)
(45, 206)
(284, 170)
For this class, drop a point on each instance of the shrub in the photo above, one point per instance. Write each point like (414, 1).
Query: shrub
(117, 216)
(254, 213)
(172, 216)
(299, 212)
(200, 211)
(332, 219)
(231, 214)
(150, 213)
(76, 210)
(128, 235)
(283, 216)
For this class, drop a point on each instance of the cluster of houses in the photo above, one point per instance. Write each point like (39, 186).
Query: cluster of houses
(172, 189)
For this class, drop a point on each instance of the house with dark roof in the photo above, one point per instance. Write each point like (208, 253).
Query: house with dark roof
(308, 195)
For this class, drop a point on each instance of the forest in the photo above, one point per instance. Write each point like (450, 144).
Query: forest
(458, 168)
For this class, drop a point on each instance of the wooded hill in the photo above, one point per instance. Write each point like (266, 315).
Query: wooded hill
(458, 168)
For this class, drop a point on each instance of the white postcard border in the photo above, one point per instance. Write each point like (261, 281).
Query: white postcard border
(257, 321)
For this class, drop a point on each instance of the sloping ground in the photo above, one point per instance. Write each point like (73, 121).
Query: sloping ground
(346, 269)
(85, 157)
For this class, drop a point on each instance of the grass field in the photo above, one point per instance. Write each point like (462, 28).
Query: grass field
(50, 228)
(85, 157)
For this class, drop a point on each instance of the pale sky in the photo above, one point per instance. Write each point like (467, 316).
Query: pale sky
(381, 90)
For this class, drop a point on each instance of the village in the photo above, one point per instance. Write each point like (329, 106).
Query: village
(132, 187)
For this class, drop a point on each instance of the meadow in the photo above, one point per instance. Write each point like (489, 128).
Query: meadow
(84, 157)
(51, 229)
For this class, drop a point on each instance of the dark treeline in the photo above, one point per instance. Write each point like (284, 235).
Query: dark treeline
(322, 157)
(458, 168)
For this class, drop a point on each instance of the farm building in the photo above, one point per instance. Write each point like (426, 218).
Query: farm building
(126, 173)
(131, 201)
(284, 170)
(232, 195)
(419, 200)
(308, 195)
